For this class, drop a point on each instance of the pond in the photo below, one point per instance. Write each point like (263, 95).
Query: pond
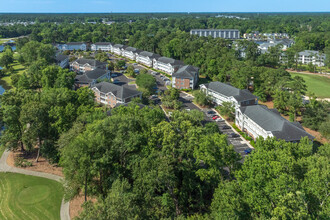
(3, 47)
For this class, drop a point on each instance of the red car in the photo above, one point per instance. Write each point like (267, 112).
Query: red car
(215, 117)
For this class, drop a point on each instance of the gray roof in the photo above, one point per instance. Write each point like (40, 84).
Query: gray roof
(91, 62)
(228, 90)
(61, 57)
(187, 71)
(272, 121)
(170, 61)
(75, 43)
(119, 46)
(103, 43)
(133, 49)
(149, 54)
(310, 53)
(120, 92)
(89, 76)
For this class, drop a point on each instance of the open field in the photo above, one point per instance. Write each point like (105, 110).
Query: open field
(29, 197)
(18, 69)
(319, 85)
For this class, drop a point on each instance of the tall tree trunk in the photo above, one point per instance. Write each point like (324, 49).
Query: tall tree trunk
(38, 154)
(22, 147)
(86, 187)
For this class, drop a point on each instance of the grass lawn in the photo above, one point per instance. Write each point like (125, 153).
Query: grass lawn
(18, 69)
(2, 149)
(29, 197)
(319, 85)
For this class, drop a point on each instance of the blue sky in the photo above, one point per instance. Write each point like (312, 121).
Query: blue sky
(164, 5)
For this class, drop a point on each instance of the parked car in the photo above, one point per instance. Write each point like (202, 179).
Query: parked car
(116, 81)
(155, 73)
(114, 75)
(248, 150)
(219, 119)
(225, 127)
(135, 64)
(154, 96)
(211, 112)
(215, 117)
(136, 71)
(233, 135)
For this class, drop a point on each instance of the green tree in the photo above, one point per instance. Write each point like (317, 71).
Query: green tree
(227, 109)
(7, 58)
(201, 98)
(146, 82)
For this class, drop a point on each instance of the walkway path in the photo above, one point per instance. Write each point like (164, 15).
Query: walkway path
(4, 167)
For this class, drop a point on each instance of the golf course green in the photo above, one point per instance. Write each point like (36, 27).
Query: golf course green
(28, 197)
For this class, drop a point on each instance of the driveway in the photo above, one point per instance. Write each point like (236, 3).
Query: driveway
(239, 143)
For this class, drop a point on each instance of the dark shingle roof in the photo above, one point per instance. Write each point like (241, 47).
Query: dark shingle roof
(170, 61)
(120, 92)
(103, 43)
(119, 46)
(91, 62)
(82, 79)
(133, 49)
(228, 90)
(61, 57)
(75, 43)
(95, 74)
(149, 54)
(187, 71)
(274, 122)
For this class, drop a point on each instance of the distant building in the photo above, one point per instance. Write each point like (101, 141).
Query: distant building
(222, 92)
(103, 46)
(147, 58)
(185, 78)
(222, 33)
(111, 95)
(286, 43)
(259, 121)
(311, 56)
(73, 46)
(118, 49)
(167, 65)
(90, 78)
(83, 65)
(62, 60)
(131, 52)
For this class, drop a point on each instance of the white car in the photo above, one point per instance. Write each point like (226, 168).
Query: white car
(219, 119)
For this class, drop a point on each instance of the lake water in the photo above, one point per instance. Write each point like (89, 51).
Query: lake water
(3, 47)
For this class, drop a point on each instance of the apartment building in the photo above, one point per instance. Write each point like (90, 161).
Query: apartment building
(62, 60)
(167, 65)
(73, 46)
(103, 46)
(90, 78)
(185, 78)
(311, 56)
(259, 121)
(131, 53)
(118, 49)
(111, 95)
(146, 58)
(222, 33)
(83, 65)
(222, 92)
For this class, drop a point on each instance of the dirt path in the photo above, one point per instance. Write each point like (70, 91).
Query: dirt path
(309, 73)
(4, 167)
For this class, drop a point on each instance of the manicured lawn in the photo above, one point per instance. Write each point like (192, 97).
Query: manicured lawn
(18, 69)
(319, 85)
(29, 197)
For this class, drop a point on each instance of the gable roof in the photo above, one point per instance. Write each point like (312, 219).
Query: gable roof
(83, 79)
(89, 76)
(149, 54)
(102, 43)
(170, 61)
(91, 62)
(187, 71)
(75, 43)
(119, 46)
(120, 92)
(61, 57)
(272, 121)
(230, 91)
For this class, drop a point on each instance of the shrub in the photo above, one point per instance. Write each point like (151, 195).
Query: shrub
(21, 162)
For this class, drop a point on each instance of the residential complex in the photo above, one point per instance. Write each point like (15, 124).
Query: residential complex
(222, 33)
(259, 121)
(72, 46)
(311, 56)
(118, 49)
(62, 60)
(167, 65)
(186, 77)
(82, 65)
(110, 94)
(103, 46)
(131, 53)
(90, 78)
(222, 92)
(146, 58)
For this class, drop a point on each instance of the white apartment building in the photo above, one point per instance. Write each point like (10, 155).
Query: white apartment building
(259, 121)
(118, 49)
(73, 46)
(146, 58)
(131, 53)
(103, 46)
(167, 65)
(311, 56)
(222, 33)
(222, 92)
